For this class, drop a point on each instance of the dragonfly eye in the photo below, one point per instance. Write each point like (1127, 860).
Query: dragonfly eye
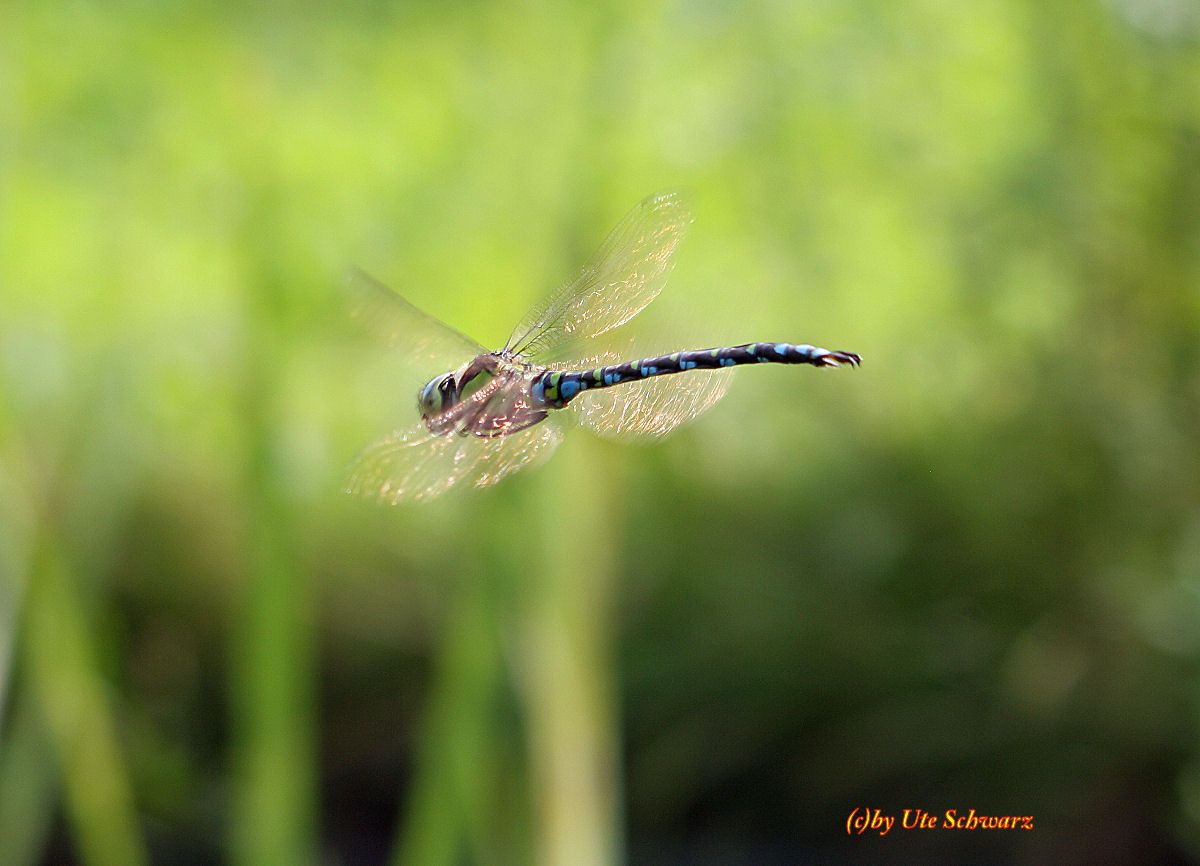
(437, 395)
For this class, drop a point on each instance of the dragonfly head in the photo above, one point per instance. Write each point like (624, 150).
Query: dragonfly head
(438, 395)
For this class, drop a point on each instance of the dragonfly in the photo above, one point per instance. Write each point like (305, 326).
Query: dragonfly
(491, 413)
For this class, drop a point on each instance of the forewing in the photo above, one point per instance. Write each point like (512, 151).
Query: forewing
(402, 326)
(624, 275)
(383, 374)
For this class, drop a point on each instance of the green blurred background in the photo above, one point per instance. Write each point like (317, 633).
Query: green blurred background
(966, 575)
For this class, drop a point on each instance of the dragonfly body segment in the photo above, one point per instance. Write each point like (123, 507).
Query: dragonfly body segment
(493, 413)
(556, 389)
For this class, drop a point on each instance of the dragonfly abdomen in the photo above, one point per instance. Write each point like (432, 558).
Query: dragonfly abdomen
(556, 389)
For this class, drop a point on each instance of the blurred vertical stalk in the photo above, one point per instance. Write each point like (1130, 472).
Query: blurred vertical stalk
(16, 516)
(458, 760)
(274, 800)
(28, 788)
(272, 819)
(63, 669)
(62, 709)
(567, 663)
(27, 783)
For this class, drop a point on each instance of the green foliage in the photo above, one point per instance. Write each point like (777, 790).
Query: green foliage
(966, 575)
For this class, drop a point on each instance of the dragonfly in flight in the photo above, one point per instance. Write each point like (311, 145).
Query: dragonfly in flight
(494, 412)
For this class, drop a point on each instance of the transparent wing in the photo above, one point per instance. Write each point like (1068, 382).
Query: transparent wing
(412, 465)
(381, 386)
(507, 454)
(651, 407)
(620, 279)
(415, 465)
(647, 408)
(401, 325)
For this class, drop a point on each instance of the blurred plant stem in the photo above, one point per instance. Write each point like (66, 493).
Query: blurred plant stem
(61, 708)
(273, 816)
(567, 663)
(18, 517)
(15, 517)
(27, 785)
(60, 658)
(456, 765)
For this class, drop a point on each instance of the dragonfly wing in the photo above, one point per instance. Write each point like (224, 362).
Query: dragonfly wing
(651, 407)
(620, 279)
(412, 465)
(415, 465)
(401, 325)
(382, 386)
(504, 455)
(644, 408)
